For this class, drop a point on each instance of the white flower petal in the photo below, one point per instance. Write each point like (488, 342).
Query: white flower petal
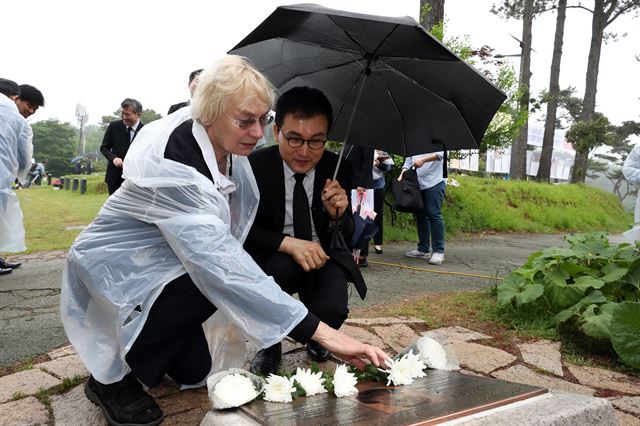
(235, 390)
(432, 353)
(278, 389)
(344, 383)
(312, 383)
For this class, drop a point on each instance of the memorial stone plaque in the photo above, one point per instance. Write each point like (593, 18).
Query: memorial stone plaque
(436, 398)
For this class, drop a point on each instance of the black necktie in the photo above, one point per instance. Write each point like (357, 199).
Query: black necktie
(129, 133)
(301, 213)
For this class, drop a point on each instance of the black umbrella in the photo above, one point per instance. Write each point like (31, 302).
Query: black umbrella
(392, 85)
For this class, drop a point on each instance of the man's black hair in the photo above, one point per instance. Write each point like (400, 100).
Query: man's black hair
(133, 104)
(31, 94)
(303, 102)
(194, 74)
(9, 87)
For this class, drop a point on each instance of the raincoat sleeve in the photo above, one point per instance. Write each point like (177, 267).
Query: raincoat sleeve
(25, 151)
(631, 167)
(193, 225)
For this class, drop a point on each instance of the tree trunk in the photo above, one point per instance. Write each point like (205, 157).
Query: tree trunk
(580, 164)
(598, 24)
(544, 170)
(518, 167)
(433, 14)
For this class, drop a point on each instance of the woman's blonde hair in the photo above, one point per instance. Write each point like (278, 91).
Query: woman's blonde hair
(230, 77)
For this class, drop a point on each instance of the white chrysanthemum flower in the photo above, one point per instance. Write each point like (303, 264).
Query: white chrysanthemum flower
(344, 383)
(235, 390)
(432, 353)
(405, 369)
(312, 383)
(278, 389)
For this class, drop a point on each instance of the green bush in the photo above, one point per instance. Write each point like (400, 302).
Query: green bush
(590, 290)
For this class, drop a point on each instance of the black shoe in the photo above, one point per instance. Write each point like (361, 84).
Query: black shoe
(6, 265)
(317, 352)
(362, 262)
(6, 271)
(267, 360)
(378, 250)
(124, 402)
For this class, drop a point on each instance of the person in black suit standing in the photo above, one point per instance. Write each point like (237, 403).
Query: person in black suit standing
(290, 238)
(193, 83)
(117, 139)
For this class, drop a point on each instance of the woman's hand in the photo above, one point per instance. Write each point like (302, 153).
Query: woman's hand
(349, 349)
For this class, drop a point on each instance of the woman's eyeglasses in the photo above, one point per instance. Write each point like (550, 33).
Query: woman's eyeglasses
(247, 124)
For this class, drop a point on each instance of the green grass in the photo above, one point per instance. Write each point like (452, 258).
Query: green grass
(48, 214)
(485, 204)
(477, 205)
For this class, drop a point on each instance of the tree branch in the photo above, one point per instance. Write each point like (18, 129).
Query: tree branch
(622, 10)
(579, 6)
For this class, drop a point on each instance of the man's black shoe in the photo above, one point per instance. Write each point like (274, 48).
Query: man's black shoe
(317, 352)
(5, 271)
(124, 402)
(267, 360)
(7, 265)
(362, 262)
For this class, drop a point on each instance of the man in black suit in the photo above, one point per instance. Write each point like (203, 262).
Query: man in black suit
(193, 84)
(117, 139)
(290, 238)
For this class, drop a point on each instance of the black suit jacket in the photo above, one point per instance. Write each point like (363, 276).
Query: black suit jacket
(116, 144)
(175, 107)
(266, 234)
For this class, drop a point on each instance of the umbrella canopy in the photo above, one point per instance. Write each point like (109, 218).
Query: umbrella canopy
(392, 85)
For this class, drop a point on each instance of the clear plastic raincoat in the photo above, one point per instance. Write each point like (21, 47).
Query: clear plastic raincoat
(631, 171)
(165, 220)
(15, 159)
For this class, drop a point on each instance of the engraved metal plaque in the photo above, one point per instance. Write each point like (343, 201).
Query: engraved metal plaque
(436, 398)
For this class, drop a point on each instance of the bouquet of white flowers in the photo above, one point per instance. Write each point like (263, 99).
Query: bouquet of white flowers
(233, 388)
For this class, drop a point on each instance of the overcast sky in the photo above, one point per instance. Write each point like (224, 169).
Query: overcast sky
(79, 52)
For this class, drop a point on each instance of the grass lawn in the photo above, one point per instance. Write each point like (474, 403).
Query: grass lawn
(52, 219)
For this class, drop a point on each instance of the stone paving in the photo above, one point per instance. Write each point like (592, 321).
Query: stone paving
(23, 402)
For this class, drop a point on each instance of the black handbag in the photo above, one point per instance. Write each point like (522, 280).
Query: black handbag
(406, 193)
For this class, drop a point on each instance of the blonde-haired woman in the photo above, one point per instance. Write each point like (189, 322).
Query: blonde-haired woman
(143, 281)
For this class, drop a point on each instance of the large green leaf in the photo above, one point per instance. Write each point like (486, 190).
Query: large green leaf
(633, 276)
(625, 332)
(515, 288)
(562, 316)
(595, 297)
(613, 272)
(556, 277)
(558, 293)
(574, 269)
(596, 320)
(585, 282)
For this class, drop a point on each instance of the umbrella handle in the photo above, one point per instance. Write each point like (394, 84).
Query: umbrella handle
(353, 114)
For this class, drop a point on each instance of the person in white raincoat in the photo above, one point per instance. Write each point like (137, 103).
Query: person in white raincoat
(631, 171)
(15, 159)
(165, 253)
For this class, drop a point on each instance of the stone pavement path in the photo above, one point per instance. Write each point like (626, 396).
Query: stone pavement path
(24, 400)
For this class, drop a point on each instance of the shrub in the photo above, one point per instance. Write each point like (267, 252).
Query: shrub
(591, 289)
